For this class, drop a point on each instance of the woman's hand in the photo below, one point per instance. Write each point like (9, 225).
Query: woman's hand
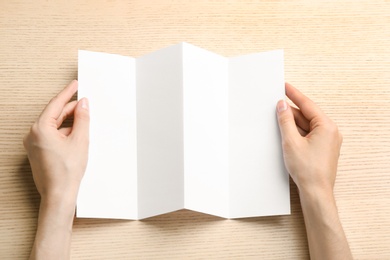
(311, 148)
(58, 158)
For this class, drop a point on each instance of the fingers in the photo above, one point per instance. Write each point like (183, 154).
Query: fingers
(56, 105)
(286, 121)
(308, 108)
(300, 120)
(65, 130)
(66, 112)
(302, 132)
(80, 128)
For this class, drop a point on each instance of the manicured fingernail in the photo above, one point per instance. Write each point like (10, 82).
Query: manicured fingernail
(282, 105)
(84, 103)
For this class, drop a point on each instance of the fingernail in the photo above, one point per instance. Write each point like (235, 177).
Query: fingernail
(84, 103)
(282, 106)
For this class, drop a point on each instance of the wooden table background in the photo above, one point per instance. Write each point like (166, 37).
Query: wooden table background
(337, 52)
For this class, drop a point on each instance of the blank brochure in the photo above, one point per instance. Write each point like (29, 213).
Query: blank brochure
(183, 128)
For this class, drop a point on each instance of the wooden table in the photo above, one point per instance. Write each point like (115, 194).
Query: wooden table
(337, 52)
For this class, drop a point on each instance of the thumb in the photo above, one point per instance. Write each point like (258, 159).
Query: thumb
(288, 129)
(81, 120)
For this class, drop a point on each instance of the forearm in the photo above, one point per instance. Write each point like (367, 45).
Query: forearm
(325, 234)
(54, 230)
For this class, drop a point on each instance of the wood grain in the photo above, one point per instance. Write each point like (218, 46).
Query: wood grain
(337, 52)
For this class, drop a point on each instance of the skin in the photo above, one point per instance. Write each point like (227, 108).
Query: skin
(311, 147)
(58, 157)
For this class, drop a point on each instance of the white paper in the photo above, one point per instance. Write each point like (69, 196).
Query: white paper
(109, 187)
(183, 127)
(205, 103)
(160, 132)
(259, 185)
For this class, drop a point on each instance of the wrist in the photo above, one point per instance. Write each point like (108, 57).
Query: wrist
(62, 205)
(316, 186)
(319, 207)
(60, 196)
(324, 230)
(316, 195)
(56, 216)
(54, 229)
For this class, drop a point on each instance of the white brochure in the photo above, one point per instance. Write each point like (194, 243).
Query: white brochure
(183, 127)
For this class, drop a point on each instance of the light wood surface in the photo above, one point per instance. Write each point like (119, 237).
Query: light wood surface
(336, 52)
